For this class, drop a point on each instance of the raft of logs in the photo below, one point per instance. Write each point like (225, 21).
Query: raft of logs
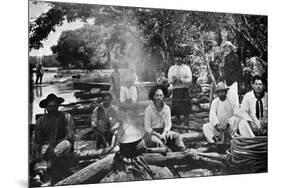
(99, 163)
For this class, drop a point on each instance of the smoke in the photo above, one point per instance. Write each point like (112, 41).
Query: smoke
(130, 51)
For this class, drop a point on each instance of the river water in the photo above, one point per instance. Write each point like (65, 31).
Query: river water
(64, 89)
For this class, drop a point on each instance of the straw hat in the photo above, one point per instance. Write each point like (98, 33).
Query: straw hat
(221, 87)
(228, 43)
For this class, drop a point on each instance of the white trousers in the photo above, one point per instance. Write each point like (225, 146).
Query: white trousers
(245, 129)
(232, 94)
(210, 132)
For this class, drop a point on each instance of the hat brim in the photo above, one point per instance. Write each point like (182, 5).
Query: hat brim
(43, 103)
(221, 90)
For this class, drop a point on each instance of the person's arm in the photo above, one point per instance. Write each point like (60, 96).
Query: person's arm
(168, 121)
(214, 120)
(134, 93)
(94, 118)
(122, 94)
(170, 75)
(147, 121)
(187, 75)
(114, 120)
(69, 128)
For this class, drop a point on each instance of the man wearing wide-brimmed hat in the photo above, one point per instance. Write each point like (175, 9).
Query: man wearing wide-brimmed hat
(232, 71)
(157, 122)
(222, 123)
(53, 134)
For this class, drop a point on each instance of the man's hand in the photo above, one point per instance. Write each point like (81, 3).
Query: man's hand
(218, 127)
(175, 79)
(44, 149)
(159, 136)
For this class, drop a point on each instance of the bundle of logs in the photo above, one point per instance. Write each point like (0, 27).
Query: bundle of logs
(248, 155)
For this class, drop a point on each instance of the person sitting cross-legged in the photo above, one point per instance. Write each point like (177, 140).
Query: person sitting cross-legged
(222, 123)
(157, 122)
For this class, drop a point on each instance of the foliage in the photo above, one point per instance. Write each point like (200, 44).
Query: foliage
(150, 38)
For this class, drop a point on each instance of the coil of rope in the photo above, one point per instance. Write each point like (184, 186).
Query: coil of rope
(248, 155)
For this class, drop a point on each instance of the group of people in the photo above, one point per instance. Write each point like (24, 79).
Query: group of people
(227, 119)
(54, 131)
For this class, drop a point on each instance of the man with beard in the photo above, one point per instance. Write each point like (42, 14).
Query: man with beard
(157, 122)
(105, 120)
(254, 110)
(53, 138)
(222, 123)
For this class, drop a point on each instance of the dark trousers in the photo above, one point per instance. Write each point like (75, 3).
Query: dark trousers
(104, 139)
(39, 77)
(181, 101)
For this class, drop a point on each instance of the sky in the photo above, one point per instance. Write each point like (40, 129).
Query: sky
(35, 10)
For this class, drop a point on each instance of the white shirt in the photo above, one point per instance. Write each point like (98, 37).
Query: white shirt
(128, 93)
(183, 73)
(155, 119)
(220, 112)
(248, 107)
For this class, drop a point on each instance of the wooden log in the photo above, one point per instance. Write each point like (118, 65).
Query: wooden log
(98, 170)
(192, 136)
(185, 128)
(182, 158)
(87, 86)
(93, 173)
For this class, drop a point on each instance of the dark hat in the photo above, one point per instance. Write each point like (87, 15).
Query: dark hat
(155, 88)
(50, 97)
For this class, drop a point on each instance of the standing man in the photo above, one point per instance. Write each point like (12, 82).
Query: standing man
(53, 135)
(157, 122)
(116, 80)
(232, 72)
(39, 73)
(222, 123)
(180, 76)
(254, 110)
(105, 119)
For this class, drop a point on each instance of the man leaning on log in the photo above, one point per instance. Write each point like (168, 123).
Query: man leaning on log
(53, 137)
(157, 122)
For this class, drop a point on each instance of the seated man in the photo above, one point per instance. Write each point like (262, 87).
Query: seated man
(222, 123)
(53, 135)
(128, 91)
(105, 120)
(157, 122)
(254, 110)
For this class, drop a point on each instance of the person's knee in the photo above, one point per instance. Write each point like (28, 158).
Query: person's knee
(243, 125)
(206, 127)
(62, 148)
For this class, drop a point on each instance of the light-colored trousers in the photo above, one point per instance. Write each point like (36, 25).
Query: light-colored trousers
(232, 94)
(210, 132)
(245, 129)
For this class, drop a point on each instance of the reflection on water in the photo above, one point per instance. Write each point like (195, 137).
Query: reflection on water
(64, 90)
